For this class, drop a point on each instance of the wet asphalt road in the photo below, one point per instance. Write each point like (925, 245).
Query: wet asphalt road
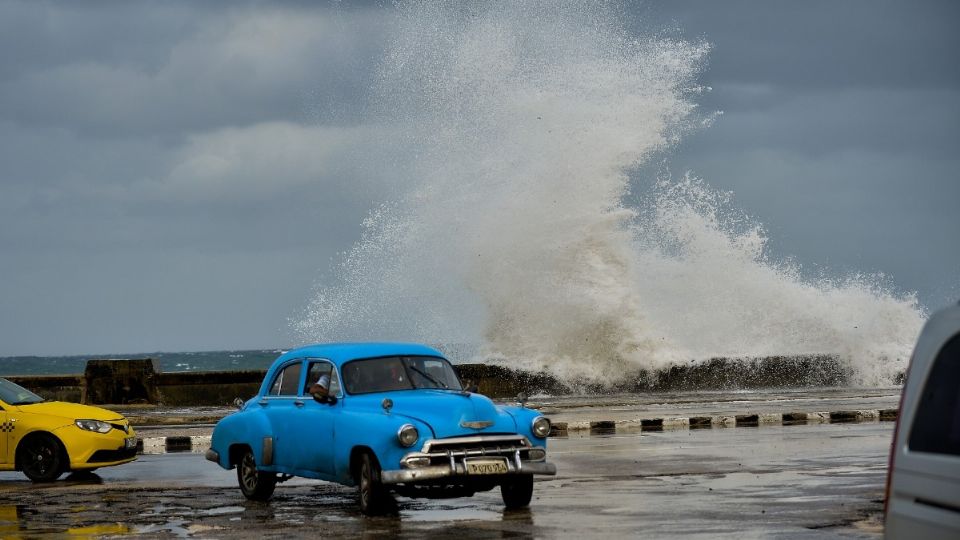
(806, 481)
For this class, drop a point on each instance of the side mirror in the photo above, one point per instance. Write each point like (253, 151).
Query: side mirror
(329, 400)
(238, 403)
(472, 389)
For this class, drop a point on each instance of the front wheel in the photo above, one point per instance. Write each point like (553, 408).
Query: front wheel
(517, 491)
(372, 496)
(256, 485)
(41, 458)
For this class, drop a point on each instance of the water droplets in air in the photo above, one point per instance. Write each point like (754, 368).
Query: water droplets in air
(518, 128)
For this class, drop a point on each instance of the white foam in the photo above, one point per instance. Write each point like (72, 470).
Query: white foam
(522, 123)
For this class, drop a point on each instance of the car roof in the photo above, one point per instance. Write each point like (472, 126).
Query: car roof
(340, 353)
(939, 328)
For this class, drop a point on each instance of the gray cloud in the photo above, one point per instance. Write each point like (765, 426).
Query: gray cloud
(176, 175)
(236, 67)
(822, 44)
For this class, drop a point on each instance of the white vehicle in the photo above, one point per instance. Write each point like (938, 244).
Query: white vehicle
(923, 482)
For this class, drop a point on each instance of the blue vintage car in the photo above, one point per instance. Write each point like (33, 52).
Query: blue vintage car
(395, 419)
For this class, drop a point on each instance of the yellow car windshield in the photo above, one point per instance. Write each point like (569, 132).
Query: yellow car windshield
(14, 394)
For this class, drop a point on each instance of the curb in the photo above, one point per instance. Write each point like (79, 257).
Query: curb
(200, 443)
(164, 445)
(607, 427)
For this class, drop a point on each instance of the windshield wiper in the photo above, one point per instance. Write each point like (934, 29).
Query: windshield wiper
(26, 402)
(428, 377)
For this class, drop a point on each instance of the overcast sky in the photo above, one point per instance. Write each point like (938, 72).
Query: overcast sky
(172, 174)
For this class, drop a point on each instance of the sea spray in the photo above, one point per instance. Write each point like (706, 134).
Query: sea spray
(521, 124)
(712, 289)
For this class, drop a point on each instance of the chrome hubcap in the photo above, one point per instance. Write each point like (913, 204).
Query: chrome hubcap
(249, 472)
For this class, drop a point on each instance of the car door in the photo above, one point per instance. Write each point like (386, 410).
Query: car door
(6, 431)
(314, 434)
(281, 405)
(925, 490)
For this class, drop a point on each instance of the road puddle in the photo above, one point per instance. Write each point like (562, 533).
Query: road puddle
(222, 510)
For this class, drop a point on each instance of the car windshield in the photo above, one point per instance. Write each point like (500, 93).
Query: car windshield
(399, 373)
(14, 394)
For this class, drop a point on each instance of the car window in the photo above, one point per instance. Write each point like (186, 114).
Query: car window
(287, 381)
(426, 372)
(319, 368)
(398, 373)
(936, 426)
(14, 394)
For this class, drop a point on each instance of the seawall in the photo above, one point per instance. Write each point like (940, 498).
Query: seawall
(139, 381)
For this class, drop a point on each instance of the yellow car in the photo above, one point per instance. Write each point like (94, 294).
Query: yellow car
(44, 439)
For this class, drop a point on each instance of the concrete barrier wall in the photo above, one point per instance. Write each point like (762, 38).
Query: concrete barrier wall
(208, 387)
(134, 381)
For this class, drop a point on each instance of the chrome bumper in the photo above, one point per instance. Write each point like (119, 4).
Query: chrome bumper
(434, 472)
(212, 455)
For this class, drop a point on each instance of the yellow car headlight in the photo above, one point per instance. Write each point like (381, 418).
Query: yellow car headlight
(94, 425)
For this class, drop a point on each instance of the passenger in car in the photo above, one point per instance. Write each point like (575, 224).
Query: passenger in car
(321, 388)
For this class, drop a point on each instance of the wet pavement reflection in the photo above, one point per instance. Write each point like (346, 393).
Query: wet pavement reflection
(797, 482)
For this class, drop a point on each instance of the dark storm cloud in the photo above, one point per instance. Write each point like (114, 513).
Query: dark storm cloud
(177, 161)
(921, 122)
(174, 174)
(220, 67)
(823, 44)
(839, 130)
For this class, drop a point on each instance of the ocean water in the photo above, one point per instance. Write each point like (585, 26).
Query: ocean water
(521, 218)
(167, 362)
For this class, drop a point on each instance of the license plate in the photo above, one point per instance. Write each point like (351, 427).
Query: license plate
(486, 466)
(130, 442)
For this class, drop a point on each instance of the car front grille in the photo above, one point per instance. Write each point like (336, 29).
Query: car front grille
(106, 456)
(453, 450)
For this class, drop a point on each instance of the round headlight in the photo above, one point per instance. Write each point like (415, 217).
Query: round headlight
(407, 435)
(541, 426)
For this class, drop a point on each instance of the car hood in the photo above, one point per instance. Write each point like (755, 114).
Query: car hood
(448, 413)
(72, 411)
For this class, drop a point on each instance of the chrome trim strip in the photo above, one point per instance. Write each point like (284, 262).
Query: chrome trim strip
(442, 471)
(475, 452)
(267, 455)
(473, 439)
(476, 425)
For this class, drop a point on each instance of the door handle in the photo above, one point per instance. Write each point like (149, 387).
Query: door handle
(298, 403)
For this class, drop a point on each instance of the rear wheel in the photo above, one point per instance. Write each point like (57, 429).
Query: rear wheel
(517, 491)
(255, 484)
(372, 496)
(41, 458)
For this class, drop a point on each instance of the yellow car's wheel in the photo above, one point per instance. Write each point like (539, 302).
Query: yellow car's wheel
(41, 457)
